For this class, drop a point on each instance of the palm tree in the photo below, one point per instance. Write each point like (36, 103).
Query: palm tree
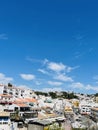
(17, 117)
(55, 127)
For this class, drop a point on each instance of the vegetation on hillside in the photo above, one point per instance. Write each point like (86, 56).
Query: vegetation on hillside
(96, 94)
(54, 95)
(41, 93)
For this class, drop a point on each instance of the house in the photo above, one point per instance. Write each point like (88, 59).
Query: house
(45, 124)
(39, 125)
(5, 120)
(6, 99)
(85, 110)
(68, 112)
(16, 92)
(94, 113)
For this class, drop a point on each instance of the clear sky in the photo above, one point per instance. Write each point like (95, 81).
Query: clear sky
(49, 44)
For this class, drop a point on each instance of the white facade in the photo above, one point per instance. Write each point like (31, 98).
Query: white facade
(85, 110)
(4, 121)
(16, 92)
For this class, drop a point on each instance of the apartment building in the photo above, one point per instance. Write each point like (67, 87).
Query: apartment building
(94, 113)
(6, 99)
(16, 92)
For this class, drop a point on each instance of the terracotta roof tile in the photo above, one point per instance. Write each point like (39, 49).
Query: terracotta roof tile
(5, 95)
(21, 105)
(21, 100)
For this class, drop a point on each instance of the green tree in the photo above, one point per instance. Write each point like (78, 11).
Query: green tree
(55, 127)
(17, 117)
(53, 94)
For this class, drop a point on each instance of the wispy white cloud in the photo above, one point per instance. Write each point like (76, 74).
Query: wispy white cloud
(81, 86)
(43, 71)
(23, 86)
(57, 71)
(45, 61)
(55, 83)
(53, 66)
(27, 76)
(63, 77)
(4, 79)
(33, 60)
(57, 67)
(95, 77)
(77, 85)
(69, 69)
(94, 88)
(38, 82)
(79, 54)
(52, 89)
(54, 71)
(60, 67)
(3, 36)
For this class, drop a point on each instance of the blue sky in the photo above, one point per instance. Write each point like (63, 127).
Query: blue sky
(49, 44)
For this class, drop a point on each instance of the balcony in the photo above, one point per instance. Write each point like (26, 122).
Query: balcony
(11, 90)
(5, 87)
(10, 93)
(22, 91)
(5, 92)
(17, 93)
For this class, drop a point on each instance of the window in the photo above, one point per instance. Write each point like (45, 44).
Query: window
(5, 122)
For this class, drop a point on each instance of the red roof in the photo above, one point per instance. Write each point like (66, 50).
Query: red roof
(23, 100)
(5, 95)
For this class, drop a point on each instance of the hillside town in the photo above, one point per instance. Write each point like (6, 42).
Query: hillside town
(26, 109)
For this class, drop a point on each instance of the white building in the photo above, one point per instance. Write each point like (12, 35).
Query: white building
(5, 122)
(15, 92)
(6, 99)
